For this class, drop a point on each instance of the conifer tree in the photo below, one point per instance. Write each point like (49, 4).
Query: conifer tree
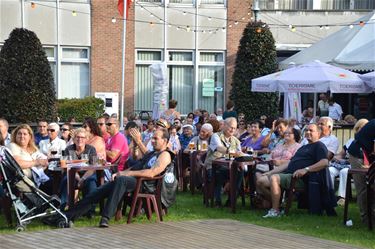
(26, 82)
(256, 57)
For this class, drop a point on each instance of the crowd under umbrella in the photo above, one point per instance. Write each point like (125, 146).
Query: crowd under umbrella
(313, 77)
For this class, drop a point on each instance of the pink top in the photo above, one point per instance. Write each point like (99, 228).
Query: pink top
(106, 136)
(118, 142)
(284, 152)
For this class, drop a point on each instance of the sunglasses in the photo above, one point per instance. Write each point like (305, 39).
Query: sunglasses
(100, 124)
(109, 124)
(64, 129)
(51, 130)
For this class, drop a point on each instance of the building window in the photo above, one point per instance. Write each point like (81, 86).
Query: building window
(144, 81)
(212, 1)
(74, 79)
(211, 78)
(181, 79)
(51, 57)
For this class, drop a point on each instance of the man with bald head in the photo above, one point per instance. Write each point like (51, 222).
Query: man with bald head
(117, 144)
(312, 157)
(221, 144)
(203, 137)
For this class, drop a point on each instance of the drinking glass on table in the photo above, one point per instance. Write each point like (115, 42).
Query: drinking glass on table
(191, 145)
(85, 158)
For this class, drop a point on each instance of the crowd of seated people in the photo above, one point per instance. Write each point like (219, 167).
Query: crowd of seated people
(287, 150)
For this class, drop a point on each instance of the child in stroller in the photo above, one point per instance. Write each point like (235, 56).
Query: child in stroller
(29, 202)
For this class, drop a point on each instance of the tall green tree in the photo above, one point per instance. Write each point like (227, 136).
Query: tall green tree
(26, 81)
(256, 57)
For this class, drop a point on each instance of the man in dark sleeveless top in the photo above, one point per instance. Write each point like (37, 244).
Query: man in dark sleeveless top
(152, 164)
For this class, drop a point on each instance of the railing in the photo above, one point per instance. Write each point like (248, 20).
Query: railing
(316, 4)
(343, 134)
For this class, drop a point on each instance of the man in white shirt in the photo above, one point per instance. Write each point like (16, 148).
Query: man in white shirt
(323, 105)
(334, 110)
(54, 145)
(326, 137)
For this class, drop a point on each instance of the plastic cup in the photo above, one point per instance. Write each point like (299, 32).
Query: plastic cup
(63, 161)
(94, 160)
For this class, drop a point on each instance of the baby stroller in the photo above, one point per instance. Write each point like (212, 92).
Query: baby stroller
(29, 202)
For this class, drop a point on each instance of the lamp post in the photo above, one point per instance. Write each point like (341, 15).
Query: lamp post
(256, 10)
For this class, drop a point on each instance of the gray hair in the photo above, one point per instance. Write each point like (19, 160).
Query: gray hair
(207, 127)
(230, 120)
(329, 122)
(54, 126)
(5, 122)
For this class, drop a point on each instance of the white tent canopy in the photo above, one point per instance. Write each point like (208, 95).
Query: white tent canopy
(352, 48)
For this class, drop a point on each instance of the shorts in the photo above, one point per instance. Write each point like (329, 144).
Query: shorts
(285, 180)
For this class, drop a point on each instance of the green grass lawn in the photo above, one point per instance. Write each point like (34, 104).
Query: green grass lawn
(190, 207)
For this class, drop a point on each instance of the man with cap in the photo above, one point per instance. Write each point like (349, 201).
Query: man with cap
(187, 135)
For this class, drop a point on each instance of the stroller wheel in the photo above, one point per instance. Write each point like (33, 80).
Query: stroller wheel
(63, 224)
(20, 228)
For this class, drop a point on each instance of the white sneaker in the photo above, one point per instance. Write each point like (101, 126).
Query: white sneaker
(272, 213)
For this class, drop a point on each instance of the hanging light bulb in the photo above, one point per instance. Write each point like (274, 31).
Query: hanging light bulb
(161, 20)
(74, 13)
(113, 20)
(33, 5)
(169, 26)
(243, 18)
(209, 18)
(188, 28)
(290, 26)
(293, 29)
(184, 13)
(230, 25)
(321, 27)
(259, 30)
(151, 15)
(223, 29)
(178, 28)
(236, 22)
(351, 26)
(327, 27)
(151, 24)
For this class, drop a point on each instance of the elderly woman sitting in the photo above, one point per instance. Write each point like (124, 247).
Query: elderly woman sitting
(280, 155)
(87, 181)
(27, 155)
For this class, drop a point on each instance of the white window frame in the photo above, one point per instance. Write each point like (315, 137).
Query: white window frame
(211, 63)
(77, 60)
(141, 62)
(181, 63)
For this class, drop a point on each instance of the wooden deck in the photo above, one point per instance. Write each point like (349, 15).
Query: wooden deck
(189, 234)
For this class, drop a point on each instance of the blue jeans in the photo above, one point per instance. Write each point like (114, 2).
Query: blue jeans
(113, 191)
(89, 186)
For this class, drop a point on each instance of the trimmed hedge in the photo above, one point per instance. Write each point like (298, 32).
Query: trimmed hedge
(80, 108)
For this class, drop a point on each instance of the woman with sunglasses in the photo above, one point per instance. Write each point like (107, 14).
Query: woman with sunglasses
(66, 133)
(93, 136)
(242, 131)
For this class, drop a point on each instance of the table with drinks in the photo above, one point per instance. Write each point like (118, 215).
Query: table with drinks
(72, 165)
(234, 166)
(194, 150)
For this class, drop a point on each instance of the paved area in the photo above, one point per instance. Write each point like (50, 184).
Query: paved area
(189, 234)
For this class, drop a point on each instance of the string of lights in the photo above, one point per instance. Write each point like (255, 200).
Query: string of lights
(211, 29)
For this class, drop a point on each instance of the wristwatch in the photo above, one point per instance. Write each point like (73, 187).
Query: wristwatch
(307, 169)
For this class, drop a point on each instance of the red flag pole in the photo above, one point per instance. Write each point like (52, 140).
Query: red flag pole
(125, 15)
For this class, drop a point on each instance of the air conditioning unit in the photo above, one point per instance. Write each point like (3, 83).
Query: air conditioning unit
(111, 101)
